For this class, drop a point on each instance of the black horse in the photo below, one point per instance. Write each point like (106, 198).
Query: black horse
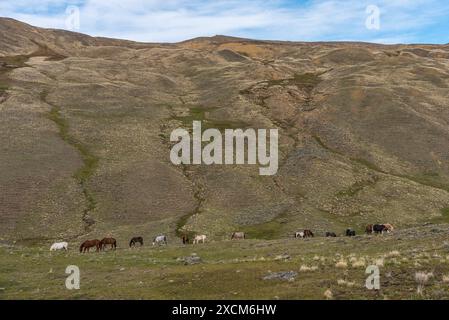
(135, 240)
(379, 228)
(350, 233)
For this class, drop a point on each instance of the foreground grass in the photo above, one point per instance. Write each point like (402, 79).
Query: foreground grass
(235, 270)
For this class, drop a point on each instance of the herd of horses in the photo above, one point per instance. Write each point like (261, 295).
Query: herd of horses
(369, 229)
(101, 245)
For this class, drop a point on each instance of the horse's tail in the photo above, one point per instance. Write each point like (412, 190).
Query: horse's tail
(130, 243)
(81, 247)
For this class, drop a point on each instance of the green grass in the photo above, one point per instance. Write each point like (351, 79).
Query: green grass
(90, 161)
(355, 188)
(267, 230)
(306, 81)
(180, 232)
(200, 114)
(18, 61)
(431, 180)
(231, 269)
(444, 218)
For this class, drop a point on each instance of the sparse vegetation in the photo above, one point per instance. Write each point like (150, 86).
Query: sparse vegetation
(90, 161)
(230, 266)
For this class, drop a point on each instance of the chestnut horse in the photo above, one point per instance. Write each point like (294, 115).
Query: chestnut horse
(110, 241)
(86, 245)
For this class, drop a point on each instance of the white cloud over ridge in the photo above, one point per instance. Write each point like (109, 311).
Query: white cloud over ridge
(177, 20)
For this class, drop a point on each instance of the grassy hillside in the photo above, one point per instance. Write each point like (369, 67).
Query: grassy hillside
(236, 269)
(85, 126)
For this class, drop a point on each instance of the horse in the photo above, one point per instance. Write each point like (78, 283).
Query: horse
(389, 227)
(299, 234)
(185, 239)
(379, 228)
(59, 246)
(331, 234)
(350, 233)
(199, 238)
(135, 240)
(308, 234)
(86, 245)
(110, 241)
(160, 240)
(369, 229)
(238, 235)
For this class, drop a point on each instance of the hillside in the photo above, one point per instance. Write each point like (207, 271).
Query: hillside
(85, 125)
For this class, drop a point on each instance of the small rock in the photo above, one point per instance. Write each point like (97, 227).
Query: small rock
(282, 257)
(192, 259)
(283, 275)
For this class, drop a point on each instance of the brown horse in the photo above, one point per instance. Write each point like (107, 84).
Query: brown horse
(185, 239)
(308, 234)
(110, 241)
(86, 245)
(369, 229)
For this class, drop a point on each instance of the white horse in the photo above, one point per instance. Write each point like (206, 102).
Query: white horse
(201, 238)
(238, 235)
(160, 240)
(59, 246)
(299, 234)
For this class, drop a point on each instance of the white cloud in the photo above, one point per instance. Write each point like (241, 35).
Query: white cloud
(176, 20)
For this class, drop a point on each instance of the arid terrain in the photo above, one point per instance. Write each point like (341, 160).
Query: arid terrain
(85, 129)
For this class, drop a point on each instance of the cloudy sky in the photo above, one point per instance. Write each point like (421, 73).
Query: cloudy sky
(384, 21)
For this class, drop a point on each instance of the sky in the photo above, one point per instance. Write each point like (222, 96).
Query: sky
(380, 21)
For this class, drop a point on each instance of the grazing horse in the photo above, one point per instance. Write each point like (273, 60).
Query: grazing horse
(238, 235)
(389, 227)
(199, 238)
(110, 241)
(379, 228)
(308, 234)
(86, 245)
(369, 229)
(135, 240)
(185, 239)
(59, 246)
(299, 234)
(160, 240)
(331, 235)
(350, 233)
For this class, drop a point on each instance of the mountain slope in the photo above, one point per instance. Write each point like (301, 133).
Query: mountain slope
(85, 126)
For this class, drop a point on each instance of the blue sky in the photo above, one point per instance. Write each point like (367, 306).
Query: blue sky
(400, 21)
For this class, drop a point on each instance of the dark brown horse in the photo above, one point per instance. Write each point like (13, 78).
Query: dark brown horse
(308, 234)
(369, 229)
(185, 239)
(86, 245)
(110, 241)
(135, 240)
